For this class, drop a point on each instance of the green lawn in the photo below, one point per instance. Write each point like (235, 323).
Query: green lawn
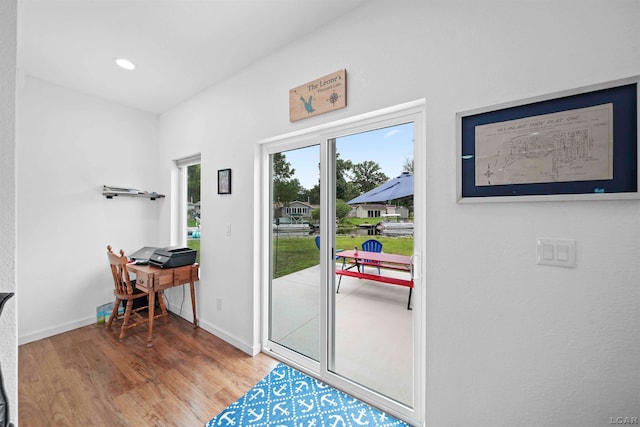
(195, 244)
(291, 254)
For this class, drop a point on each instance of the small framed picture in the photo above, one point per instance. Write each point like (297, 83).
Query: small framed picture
(224, 181)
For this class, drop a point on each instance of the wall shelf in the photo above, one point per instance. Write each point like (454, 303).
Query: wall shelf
(110, 192)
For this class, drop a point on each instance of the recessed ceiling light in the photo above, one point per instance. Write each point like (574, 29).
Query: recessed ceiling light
(124, 63)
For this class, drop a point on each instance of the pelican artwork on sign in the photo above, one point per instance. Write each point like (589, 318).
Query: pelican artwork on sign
(307, 104)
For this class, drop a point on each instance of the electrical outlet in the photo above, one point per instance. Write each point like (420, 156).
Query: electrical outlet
(219, 304)
(228, 230)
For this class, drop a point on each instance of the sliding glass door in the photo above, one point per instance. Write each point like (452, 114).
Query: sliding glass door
(338, 190)
(373, 327)
(294, 291)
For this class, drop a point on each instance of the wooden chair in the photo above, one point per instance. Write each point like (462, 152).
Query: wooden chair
(125, 290)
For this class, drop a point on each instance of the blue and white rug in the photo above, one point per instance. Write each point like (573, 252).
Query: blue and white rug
(289, 398)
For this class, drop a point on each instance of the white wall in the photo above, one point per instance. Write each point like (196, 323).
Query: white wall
(8, 329)
(69, 146)
(508, 342)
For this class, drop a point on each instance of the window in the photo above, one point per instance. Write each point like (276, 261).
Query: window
(189, 217)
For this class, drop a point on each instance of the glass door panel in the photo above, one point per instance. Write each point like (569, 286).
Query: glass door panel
(373, 327)
(294, 291)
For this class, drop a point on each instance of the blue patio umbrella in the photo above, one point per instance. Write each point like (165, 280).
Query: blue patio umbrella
(396, 188)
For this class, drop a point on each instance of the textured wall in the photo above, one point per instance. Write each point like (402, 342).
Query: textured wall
(79, 144)
(508, 342)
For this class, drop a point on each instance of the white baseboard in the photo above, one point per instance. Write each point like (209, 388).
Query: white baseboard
(251, 350)
(49, 332)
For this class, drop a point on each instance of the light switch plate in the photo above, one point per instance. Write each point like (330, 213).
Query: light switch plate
(557, 252)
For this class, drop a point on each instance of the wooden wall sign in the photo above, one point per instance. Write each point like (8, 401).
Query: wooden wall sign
(320, 96)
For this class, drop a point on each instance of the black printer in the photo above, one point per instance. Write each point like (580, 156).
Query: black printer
(173, 256)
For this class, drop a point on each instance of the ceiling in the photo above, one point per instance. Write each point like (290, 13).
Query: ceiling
(179, 47)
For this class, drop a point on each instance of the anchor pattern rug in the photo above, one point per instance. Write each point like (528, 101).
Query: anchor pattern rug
(289, 398)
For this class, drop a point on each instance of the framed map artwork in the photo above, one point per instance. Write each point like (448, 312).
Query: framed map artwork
(580, 144)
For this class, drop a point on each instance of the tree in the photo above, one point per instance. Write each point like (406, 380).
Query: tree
(342, 173)
(367, 176)
(285, 188)
(314, 195)
(193, 183)
(351, 191)
(342, 209)
(287, 191)
(281, 168)
(407, 166)
(311, 195)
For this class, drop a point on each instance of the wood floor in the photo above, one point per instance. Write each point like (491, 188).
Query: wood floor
(87, 377)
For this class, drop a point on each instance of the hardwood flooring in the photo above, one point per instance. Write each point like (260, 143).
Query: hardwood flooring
(86, 377)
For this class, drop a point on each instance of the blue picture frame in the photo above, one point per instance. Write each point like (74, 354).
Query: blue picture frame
(621, 97)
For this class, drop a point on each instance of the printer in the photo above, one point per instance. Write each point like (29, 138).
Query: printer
(173, 256)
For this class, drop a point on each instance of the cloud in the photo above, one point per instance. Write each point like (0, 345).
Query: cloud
(391, 133)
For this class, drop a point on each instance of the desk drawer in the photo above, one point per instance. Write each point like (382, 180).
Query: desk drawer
(144, 282)
(165, 281)
(181, 276)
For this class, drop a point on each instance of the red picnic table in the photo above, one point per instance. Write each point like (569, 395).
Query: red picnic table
(359, 259)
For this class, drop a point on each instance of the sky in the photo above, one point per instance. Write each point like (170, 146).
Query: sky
(389, 147)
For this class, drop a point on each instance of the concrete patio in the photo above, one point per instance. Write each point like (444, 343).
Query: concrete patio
(373, 338)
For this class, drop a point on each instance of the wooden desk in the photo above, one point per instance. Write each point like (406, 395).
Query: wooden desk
(362, 259)
(151, 279)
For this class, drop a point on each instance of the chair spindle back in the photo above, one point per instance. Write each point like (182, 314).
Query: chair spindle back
(120, 273)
